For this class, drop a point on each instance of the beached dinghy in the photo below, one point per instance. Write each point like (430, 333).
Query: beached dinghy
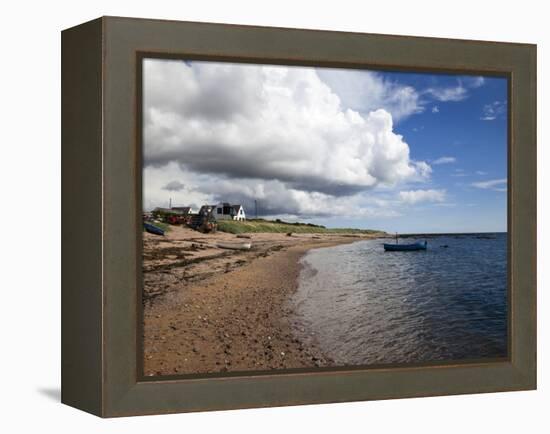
(420, 245)
(235, 246)
(153, 229)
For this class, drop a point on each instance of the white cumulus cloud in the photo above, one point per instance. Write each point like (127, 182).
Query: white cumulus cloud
(365, 91)
(493, 184)
(494, 110)
(444, 160)
(475, 82)
(444, 94)
(458, 92)
(279, 128)
(416, 196)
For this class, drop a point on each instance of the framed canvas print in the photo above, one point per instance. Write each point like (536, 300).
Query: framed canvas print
(259, 216)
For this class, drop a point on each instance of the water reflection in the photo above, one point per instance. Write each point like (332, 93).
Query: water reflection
(367, 306)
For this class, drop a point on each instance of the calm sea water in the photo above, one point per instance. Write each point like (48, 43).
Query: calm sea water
(366, 306)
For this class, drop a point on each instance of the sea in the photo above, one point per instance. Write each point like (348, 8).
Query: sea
(364, 306)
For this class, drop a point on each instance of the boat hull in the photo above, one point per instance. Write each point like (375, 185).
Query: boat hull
(153, 229)
(235, 246)
(405, 247)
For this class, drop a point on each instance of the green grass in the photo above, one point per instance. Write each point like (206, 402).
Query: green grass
(261, 225)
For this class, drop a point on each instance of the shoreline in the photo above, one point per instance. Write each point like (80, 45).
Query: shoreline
(233, 313)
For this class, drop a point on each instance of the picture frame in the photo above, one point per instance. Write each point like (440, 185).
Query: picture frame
(101, 191)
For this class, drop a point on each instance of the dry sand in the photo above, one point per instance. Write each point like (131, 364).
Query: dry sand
(208, 309)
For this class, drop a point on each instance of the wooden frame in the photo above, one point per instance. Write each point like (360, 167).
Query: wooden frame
(101, 190)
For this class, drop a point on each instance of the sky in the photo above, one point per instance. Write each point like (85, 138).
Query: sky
(396, 151)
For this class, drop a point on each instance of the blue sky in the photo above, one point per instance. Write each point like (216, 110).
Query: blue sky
(397, 151)
(473, 133)
(463, 136)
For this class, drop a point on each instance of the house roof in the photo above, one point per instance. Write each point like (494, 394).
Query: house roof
(183, 209)
(235, 208)
(168, 211)
(204, 208)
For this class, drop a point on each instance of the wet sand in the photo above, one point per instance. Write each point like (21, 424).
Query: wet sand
(209, 310)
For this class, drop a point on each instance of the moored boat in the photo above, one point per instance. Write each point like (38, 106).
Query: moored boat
(419, 245)
(152, 229)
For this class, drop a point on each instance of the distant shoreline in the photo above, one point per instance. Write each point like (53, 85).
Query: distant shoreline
(440, 234)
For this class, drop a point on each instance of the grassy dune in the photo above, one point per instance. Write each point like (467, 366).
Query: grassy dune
(261, 225)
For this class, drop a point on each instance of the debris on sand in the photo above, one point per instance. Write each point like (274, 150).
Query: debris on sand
(234, 246)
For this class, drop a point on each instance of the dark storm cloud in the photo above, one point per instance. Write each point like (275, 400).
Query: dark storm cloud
(219, 161)
(174, 186)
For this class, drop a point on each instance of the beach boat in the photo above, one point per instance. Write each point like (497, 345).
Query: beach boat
(419, 245)
(152, 229)
(235, 246)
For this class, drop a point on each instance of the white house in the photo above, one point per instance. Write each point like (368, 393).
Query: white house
(185, 210)
(226, 211)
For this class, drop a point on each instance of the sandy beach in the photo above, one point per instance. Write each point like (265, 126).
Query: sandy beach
(208, 309)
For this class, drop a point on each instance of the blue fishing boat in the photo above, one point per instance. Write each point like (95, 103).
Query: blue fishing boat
(419, 245)
(153, 229)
